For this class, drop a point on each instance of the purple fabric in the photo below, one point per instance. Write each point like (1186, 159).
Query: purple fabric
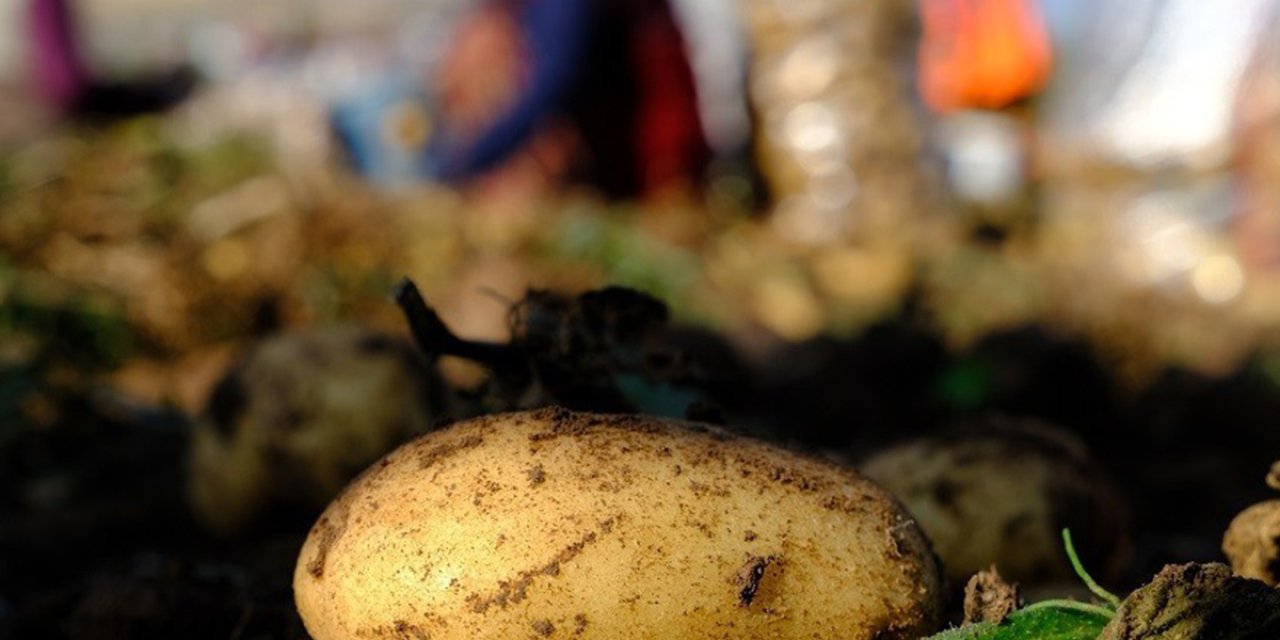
(60, 74)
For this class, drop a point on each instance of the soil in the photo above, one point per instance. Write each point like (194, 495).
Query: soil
(1198, 601)
(96, 541)
(988, 598)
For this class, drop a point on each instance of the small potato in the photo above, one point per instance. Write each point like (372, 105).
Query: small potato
(1000, 494)
(300, 416)
(569, 525)
(1252, 542)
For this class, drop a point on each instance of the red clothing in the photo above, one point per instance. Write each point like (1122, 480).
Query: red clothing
(617, 73)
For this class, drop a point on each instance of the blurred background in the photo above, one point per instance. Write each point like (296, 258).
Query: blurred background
(891, 213)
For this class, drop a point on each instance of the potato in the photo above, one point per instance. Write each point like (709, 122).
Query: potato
(301, 415)
(1252, 541)
(559, 524)
(1000, 493)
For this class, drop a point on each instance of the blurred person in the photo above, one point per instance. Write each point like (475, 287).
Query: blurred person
(982, 62)
(598, 92)
(982, 54)
(63, 79)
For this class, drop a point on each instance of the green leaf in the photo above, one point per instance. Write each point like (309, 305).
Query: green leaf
(1046, 621)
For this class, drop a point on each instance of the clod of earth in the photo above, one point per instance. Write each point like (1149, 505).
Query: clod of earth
(610, 350)
(988, 598)
(1200, 602)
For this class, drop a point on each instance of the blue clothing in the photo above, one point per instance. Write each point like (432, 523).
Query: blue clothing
(360, 123)
(556, 33)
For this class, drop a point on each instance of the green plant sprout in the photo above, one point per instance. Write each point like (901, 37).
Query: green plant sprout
(1078, 566)
(1050, 619)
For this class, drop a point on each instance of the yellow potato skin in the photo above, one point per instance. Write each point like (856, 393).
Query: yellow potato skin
(1000, 493)
(554, 524)
(317, 407)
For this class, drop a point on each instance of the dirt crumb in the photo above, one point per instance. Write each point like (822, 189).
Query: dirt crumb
(327, 532)
(435, 454)
(406, 631)
(988, 598)
(514, 591)
(750, 577)
(544, 627)
(565, 423)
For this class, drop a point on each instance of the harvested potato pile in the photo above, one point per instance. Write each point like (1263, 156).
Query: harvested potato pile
(300, 416)
(1000, 493)
(560, 524)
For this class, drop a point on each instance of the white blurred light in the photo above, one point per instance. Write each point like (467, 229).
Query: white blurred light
(826, 161)
(1165, 239)
(808, 68)
(984, 157)
(812, 127)
(718, 49)
(1218, 279)
(1175, 102)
